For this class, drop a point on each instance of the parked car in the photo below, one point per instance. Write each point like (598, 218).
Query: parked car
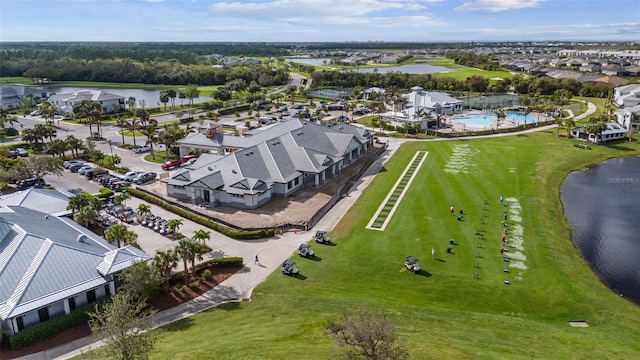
(142, 149)
(75, 167)
(188, 157)
(170, 164)
(190, 162)
(304, 250)
(92, 173)
(21, 152)
(144, 178)
(153, 121)
(68, 163)
(35, 113)
(289, 268)
(82, 170)
(12, 154)
(27, 183)
(411, 264)
(131, 175)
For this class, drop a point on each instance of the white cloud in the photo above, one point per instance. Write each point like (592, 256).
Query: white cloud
(498, 5)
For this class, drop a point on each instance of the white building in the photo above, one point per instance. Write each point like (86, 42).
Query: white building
(614, 131)
(109, 101)
(627, 96)
(427, 102)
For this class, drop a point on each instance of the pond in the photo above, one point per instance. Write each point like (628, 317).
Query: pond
(310, 61)
(602, 205)
(151, 97)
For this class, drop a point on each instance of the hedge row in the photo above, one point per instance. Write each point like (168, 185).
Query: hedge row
(50, 327)
(232, 233)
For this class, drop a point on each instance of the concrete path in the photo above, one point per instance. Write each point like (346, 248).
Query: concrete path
(591, 109)
(272, 252)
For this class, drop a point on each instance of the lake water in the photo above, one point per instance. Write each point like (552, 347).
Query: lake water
(151, 97)
(602, 204)
(310, 61)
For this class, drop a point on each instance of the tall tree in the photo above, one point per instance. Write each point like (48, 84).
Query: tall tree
(368, 336)
(164, 98)
(120, 234)
(152, 138)
(124, 324)
(165, 262)
(201, 235)
(172, 95)
(131, 101)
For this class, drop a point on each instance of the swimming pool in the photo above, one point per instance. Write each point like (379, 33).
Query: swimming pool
(485, 120)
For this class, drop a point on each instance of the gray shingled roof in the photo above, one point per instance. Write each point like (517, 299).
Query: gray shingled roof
(46, 201)
(35, 254)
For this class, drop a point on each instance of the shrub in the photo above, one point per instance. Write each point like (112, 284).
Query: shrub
(11, 131)
(205, 274)
(105, 193)
(213, 263)
(50, 327)
(233, 233)
(195, 285)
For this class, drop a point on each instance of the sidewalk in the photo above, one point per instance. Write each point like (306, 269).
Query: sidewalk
(272, 252)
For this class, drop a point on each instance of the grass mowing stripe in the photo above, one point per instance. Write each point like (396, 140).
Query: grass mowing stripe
(399, 189)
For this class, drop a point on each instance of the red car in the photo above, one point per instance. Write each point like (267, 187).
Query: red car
(170, 164)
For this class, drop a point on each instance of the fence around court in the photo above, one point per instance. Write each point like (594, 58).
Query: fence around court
(490, 101)
(330, 94)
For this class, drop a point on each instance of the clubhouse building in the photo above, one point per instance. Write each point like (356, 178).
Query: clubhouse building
(422, 107)
(276, 160)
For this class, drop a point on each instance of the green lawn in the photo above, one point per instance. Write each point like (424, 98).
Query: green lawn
(463, 72)
(443, 313)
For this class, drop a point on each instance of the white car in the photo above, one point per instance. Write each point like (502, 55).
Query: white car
(85, 168)
(35, 113)
(142, 149)
(129, 176)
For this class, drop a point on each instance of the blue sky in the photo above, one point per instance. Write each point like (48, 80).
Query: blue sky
(319, 20)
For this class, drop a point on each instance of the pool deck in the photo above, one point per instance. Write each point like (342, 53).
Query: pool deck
(455, 126)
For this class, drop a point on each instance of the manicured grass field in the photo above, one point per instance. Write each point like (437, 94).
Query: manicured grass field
(444, 312)
(463, 72)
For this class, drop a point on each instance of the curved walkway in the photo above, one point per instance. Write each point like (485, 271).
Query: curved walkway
(591, 109)
(272, 253)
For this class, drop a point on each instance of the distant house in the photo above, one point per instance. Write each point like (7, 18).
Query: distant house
(109, 101)
(11, 96)
(627, 96)
(613, 69)
(277, 160)
(430, 102)
(614, 131)
(50, 265)
(367, 93)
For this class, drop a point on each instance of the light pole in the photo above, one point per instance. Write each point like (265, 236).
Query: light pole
(113, 161)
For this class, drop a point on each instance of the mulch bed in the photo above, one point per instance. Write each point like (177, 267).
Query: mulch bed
(161, 302)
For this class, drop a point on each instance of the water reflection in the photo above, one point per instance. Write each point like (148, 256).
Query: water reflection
(602, 204)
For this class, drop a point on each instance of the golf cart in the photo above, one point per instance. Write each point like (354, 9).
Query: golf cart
(289, 268)
(322, 237)
(305, 250)
(412, 264)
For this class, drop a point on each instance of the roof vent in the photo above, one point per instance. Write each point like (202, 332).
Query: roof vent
(234, 171)
(209, 168)
(82, 238)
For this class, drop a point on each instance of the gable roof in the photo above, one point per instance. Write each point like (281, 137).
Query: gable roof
(35, 253)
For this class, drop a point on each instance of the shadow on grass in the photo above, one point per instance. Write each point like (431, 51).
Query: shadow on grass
(299, 277)
(441, 260)
(229, 306)
(621, 148)
(180, 325)
(424, 273)
(315, 258)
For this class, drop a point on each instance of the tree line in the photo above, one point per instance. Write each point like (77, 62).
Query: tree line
(397, 80)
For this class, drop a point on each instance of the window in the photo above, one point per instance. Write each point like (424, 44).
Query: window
(44, 314)
(107, 290)
(91, 296)
(20, 323)
(296, 181)
(72, 303)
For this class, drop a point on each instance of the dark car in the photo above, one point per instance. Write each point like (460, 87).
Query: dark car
(27, 183)
(75, 167)
(170, 164)
(144, 178)
(92, 173)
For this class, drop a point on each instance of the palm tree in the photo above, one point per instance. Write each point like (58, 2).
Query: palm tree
(164, 262)
(30, 136)
(85, 215)
(56, 147)
(75, 145)
(120, 233)
(201, 235)
(174, 225)
(143, 115)
(83, 199)
(82, 111)
(152, 138)
(185, 250)
(143, 209)
(569, 123)
(134, 125)
(172, 95)
(131, 101)
(164, 98)
(121, 198)
(123, 124)
(96, 116)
